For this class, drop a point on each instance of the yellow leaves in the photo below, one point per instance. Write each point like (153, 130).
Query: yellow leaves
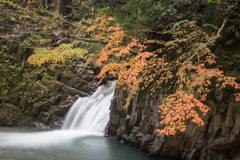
(58, 54)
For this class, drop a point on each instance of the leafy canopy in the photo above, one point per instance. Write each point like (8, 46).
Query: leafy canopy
(176, 58)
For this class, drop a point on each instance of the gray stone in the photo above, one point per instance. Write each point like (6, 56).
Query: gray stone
(133, 140)
(216, 123)
(135, 130)
(145, 142)
(139, 135)
(127, 120)
(125, 138)
(61, 110)
(219, 94)
(235, 133)
(220, 143)
(230, 115)
(44, 116)
(223, 107)
(120, 132)
(115, 119)
(145, 121)
(157, 145)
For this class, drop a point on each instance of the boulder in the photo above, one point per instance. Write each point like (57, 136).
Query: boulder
(139, 135)
(135, 130)
(157, 145)
(120, 132)
(61, 110)
(145, 142)
(125, 138)
(133, 141)
(44, 116)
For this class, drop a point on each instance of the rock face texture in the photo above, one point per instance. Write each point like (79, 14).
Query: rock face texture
(44, 103)
(218, 139)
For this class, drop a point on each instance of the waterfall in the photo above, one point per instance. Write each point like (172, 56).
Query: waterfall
(91, 113)
(87, 117)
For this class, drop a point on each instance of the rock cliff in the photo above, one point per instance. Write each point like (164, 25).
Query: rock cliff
(44, 101)
(218, 139)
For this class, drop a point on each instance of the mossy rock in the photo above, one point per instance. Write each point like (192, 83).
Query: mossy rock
(25, 121)
(40, 106)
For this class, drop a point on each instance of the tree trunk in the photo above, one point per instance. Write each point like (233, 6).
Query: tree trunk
(60, 6)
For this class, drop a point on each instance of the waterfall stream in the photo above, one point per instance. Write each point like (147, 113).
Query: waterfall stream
(91, 113)
(87, 117)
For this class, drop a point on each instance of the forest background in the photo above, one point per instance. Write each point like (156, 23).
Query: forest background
(188, 47)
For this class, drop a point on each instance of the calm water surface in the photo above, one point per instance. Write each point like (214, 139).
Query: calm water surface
(29, 144)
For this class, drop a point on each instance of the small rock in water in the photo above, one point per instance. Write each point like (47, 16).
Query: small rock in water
(105, 135)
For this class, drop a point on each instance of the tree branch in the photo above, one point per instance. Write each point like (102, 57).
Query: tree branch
(220, 30)
(213, 39)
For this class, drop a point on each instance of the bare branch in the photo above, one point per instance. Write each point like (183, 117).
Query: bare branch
(220, 30)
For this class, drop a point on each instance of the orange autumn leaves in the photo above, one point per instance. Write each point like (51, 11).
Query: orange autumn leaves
(179, 107)
(187, 76)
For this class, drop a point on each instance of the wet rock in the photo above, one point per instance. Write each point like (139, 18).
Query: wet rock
(112, 130)
(120, 132)
(145, 142)
(41, 125)
(55, 121)
(125, 138)
(133, 140)
(150, 146)
(157, 145)
(61, 110)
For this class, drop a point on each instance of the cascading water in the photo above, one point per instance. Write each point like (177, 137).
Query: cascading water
(87, 117)
(91, 113)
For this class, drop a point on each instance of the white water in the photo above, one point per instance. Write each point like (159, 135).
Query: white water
(91, 113)
(87, 117)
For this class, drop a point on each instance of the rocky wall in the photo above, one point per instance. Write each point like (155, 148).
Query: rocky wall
(44, 101)
(218, 139)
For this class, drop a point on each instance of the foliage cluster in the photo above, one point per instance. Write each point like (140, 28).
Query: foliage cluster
(170, 48)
